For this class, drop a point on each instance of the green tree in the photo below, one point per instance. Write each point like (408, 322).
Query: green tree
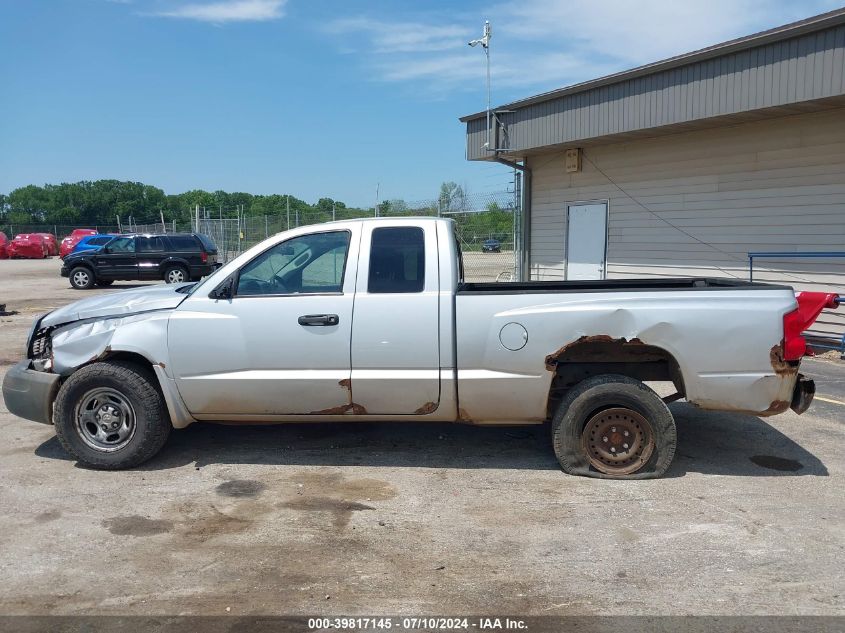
(452, 197)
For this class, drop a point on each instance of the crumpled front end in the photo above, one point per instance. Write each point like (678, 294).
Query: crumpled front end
(68, 338)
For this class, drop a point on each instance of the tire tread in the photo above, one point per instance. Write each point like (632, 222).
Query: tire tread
(152, 434)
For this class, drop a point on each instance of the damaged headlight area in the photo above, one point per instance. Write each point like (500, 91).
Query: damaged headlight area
(41, 349)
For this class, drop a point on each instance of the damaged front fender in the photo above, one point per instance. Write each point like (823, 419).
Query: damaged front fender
(84, 342)
(74, 345)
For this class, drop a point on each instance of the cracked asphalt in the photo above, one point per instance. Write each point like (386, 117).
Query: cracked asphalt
(398, 518)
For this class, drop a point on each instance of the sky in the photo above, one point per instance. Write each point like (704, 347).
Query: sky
(316, 98)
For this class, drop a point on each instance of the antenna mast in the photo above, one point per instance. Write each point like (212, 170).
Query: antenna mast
(485, 44)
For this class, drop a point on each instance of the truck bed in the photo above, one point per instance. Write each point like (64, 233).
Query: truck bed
(610, 285)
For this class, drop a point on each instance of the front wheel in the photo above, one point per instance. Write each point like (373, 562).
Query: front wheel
(81, 278)
(614, 427)
(111, 415)
(175, 275)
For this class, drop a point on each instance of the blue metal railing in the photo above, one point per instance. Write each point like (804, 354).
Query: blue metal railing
(816, 339)
(789, 254)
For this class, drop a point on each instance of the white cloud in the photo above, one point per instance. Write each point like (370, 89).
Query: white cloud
(228, 11)
(401, 37)
(544, 44)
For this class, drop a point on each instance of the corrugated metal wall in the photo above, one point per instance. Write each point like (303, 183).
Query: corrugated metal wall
(800, 69)
(775, 185)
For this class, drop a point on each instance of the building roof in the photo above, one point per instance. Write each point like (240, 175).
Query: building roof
(779, 33)
(793, 68)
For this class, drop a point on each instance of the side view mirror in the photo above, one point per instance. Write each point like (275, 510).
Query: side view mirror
(107, 249)
(226, 290)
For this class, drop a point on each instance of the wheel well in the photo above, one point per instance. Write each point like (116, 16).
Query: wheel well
(597, 355)
(129, 357)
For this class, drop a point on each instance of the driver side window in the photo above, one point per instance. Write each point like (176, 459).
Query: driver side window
(122, 245)
(303, 265)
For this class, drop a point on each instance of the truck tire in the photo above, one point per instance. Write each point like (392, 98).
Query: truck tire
(175, 274)
(81, 278)
(111, 415)
(613, 427)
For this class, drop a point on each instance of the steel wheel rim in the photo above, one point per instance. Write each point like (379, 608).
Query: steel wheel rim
(80, 278)
(105, 419)
(176, 276)
(617, 441)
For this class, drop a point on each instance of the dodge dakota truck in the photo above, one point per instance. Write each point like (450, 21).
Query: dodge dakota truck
(371, 320)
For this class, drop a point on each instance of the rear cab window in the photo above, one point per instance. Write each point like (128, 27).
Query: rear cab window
(397, 260)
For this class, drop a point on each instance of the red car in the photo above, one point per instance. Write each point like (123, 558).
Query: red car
(52, 243)
(71, 240)
(28, 246)
(4, 245)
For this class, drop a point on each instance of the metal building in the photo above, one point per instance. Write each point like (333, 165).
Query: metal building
(684, 166)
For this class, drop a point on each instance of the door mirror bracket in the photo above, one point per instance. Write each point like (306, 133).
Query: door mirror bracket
(226, 290)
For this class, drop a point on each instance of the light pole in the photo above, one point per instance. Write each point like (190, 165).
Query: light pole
(485, 44)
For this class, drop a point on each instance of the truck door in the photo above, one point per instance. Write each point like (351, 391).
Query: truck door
(280, 345)
(395, 334)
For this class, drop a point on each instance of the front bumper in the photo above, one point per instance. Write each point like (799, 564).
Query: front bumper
(29, 394)
(65, 271)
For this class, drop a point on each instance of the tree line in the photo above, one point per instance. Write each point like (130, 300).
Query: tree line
(100, 202)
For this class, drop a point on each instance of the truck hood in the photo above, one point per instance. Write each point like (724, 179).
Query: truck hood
(158, 297)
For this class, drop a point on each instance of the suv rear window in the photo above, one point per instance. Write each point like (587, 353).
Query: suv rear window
(207, 243)
(184, 243)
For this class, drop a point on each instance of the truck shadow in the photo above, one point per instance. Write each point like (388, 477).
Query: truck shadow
(708, 443)
(724, 443)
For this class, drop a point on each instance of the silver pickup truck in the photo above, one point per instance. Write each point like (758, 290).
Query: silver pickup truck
(371, 320)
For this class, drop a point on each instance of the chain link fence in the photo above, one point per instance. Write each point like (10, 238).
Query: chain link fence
(486, 225)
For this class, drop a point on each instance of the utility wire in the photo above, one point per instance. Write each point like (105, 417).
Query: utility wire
(679, 229)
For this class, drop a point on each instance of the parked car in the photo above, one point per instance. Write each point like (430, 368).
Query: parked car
(93, 242)
(370, 320)
(491, 246)
(28, 246)
(52, 243)
(4, 246)
(173, 257)
(71, 240)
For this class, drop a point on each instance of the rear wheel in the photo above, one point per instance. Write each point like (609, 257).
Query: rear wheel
(111, 415)
(614, 427)
(176, 275)
(81, 278)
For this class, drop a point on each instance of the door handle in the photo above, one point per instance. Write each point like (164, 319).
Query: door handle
(319, 319)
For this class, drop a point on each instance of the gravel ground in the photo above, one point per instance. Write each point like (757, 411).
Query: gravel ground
(412, 518)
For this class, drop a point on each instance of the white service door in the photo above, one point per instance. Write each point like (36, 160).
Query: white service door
(586, 245)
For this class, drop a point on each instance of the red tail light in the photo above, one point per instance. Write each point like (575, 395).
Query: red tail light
(810, 306)
(204, 257)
